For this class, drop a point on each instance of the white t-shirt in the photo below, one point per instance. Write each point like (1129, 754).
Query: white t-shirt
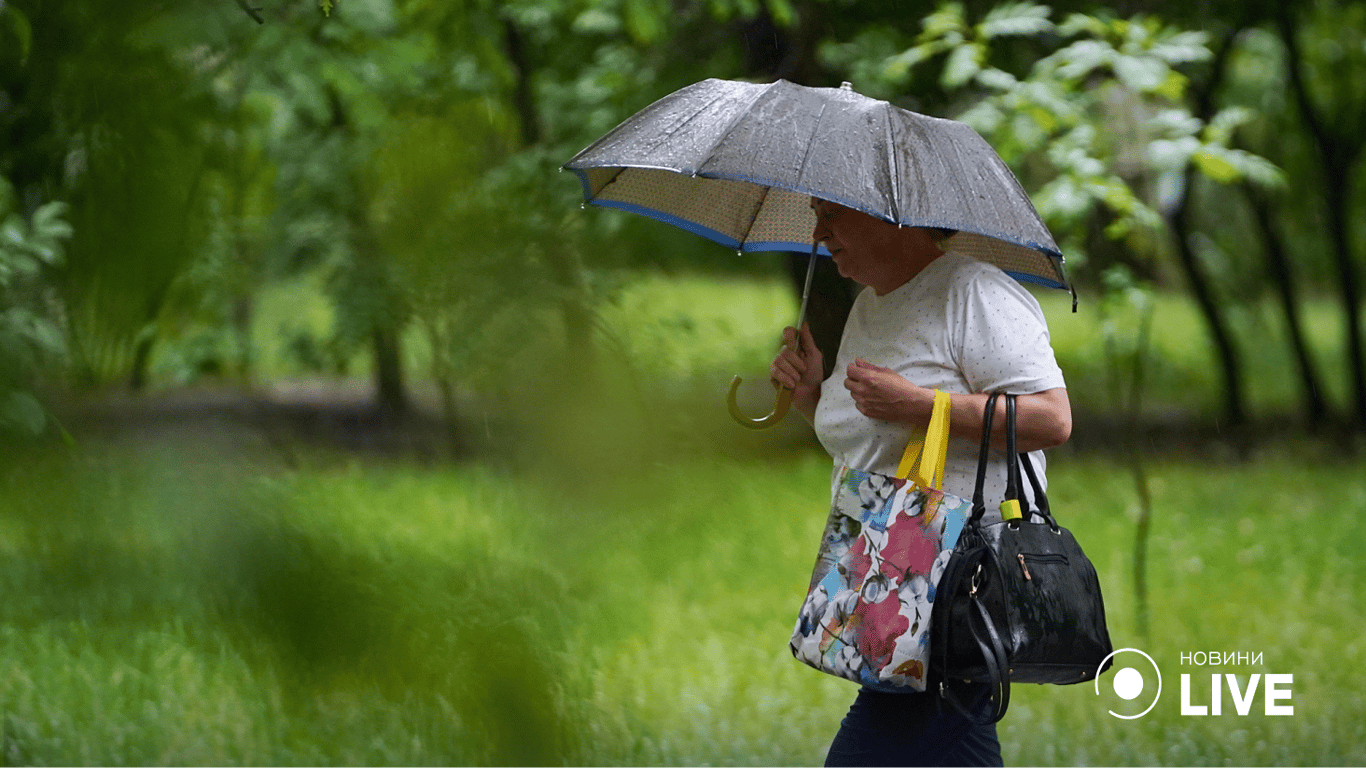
(960, 326)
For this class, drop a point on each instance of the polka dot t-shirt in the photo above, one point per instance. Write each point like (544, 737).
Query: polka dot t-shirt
(960, 326)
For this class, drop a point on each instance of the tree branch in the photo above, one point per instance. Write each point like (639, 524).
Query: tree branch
(254, 13)
(1326, 141)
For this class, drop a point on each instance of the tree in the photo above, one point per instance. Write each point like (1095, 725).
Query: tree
(120, 145)
(1323, 87)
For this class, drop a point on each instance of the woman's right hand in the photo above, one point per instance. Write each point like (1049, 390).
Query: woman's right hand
(800, 368)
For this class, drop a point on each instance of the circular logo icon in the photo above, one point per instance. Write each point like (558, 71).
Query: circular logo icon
(1129, 682)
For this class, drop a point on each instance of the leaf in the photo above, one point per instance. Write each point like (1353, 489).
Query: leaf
(984, 117)
(1215, 164)
(1182, 48)
(596, 21)
(1174, 123)
(1077, 24)
(1027, 129)
(1259, 170)
(48, 223)
(1016, 20)
(23, 411)
(1081, 58)
(964, 62)
(1142, 74)
(1063, 198)
(782, 12)
(898, 66)
(22, 30)
(1048, 96)
(1173, 87)
(326, 6)
(1220, 128)
(47, 337)
(12, 231)
(1170, 154)
(998, 79)
(945, 20)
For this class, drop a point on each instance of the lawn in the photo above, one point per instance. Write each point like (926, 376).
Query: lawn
(173, 604)
(619, 588)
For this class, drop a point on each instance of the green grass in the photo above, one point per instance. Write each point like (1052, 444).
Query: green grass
(164, 607)
(622, 590)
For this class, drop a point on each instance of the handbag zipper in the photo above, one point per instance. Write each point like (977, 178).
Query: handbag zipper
(1048, 559)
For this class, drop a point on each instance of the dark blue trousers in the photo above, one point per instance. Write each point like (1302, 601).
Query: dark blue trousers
(912, 729)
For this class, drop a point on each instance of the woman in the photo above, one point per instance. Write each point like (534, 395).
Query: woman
(929, 319)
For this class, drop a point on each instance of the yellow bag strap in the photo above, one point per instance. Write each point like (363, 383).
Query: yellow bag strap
(935, 447)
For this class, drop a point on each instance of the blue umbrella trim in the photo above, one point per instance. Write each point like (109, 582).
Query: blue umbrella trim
(730, 242)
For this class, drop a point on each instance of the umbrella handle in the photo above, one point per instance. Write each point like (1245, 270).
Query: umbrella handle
(780, 408)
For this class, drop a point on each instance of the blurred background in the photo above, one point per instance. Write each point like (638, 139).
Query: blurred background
(334, 430)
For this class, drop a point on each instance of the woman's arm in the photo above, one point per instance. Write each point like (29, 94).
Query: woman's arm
(1042, 420)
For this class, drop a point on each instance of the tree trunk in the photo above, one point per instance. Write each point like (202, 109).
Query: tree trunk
(523, 100)
(1235, 409)
(1278, 263)
(1225, 347)
(1338, 194)
(1337, 148)
(391, 396)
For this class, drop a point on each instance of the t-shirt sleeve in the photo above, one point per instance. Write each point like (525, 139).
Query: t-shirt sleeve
(1001, 339)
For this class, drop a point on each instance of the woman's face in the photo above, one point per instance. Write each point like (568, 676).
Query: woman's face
(867, 249)
(851, 237)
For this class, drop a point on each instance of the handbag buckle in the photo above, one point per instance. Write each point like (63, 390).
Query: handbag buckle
(972, 590)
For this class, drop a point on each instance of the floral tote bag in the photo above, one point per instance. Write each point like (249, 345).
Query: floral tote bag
(866, 616)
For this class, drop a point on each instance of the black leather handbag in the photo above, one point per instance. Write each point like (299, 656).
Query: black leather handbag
(1018, 600)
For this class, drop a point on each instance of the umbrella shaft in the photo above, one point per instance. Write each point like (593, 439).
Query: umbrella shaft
(806, 291)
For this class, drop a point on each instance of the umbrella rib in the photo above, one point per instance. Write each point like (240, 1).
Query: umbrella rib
(754, 214)
(896, 168)
(724, 134)
(811, 142)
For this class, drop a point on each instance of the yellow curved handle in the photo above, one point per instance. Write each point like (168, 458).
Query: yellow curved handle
(780, 408)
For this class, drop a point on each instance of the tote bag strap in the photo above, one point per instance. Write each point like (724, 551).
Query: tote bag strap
(933, 451)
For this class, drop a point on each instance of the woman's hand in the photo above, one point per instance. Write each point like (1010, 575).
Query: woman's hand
(1042, 420)
(882, 393)
(800, 368)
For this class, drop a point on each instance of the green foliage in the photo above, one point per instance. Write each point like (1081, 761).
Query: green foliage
(23, 31)
(1097, 128)
(31, 339)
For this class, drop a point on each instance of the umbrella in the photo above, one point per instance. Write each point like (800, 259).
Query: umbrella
(738, 162)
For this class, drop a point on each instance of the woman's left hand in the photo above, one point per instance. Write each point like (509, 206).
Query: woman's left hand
(1044, 419)
(882, 393)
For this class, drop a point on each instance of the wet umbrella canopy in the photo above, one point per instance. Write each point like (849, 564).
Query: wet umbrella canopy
(738, 163)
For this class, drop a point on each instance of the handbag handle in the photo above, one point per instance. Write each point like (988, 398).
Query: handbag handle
(979, 505)
(1014, 505)
(933, 451)
(1010, 505)
(1013, 473)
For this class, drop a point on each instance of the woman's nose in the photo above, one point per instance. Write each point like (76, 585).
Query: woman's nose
(822, 231)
